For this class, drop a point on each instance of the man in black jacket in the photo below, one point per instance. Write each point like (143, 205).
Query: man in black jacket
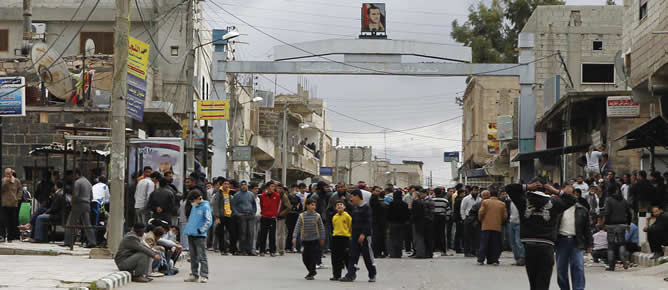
(360, 239)
(397, 216)
(379, 212)
(55, 213)
(657, 233)
(616, 219)
(539, 214)
(574, 237)
(134, 256)
(161, 202)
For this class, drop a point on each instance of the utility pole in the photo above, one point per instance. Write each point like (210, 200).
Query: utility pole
(431, 179)
(350, 165)
(190, 73)
(284, 157)
(394, 175)
(336, 161)
(118, 116)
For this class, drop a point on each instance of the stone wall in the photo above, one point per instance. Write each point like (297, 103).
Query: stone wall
(20, 135)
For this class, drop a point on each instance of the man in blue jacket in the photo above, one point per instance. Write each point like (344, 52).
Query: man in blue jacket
(198, 224)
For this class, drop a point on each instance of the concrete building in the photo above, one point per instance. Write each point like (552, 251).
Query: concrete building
(48, 119)
(646, 68)
(357, 163)
(489, 101)
(571, 51)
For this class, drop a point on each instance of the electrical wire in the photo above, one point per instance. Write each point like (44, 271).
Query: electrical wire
(150, 35)
(402, 130)
(56, 41)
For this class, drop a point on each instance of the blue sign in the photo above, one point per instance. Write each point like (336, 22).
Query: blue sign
(218, 42)
(451, 156)
(12, 96)
(136, 97)
(326, 171)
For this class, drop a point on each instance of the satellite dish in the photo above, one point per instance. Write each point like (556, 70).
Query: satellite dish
(620, 68)
(52, 70)
(90, 47)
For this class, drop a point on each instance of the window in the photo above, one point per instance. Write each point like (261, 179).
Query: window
(4, 40)
(598, 45)
(104, 42)
(174, 50)
(598, 73)
(643, 9)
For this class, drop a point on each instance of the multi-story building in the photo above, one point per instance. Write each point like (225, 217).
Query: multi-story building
(357, 163)
(489, 104)
(49, 118)
(576, 91)
(646, 69)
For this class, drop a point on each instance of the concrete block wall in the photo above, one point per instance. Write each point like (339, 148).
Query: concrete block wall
(647, 49)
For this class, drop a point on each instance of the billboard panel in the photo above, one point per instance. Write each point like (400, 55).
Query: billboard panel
(622, 107)
(373, 17)
(13, 92)
(505, 127)
(492, 142)
(162, 154)
(451, 156)
(213, 110)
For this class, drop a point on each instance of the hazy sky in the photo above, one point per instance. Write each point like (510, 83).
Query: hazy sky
(389, 101)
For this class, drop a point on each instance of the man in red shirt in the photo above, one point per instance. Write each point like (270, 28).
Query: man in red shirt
(270, 203)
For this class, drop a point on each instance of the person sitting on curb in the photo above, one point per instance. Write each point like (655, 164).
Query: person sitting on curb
(134, 256)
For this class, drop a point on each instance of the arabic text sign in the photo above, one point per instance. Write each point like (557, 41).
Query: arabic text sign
(138, 53)
(213, 110)
(13, 101)
(136, 98)
(622, 107)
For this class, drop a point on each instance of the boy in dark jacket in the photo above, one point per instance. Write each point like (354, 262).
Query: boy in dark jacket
(360, 239)
(397, 216)
(539, 213)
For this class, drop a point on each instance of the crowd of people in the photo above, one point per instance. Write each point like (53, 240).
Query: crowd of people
(539, 221)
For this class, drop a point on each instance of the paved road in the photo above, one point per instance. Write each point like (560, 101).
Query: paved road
(229, 272)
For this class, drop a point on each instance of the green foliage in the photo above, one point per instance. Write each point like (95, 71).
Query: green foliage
(492, 31)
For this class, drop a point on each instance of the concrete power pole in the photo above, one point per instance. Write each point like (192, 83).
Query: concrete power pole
(284, 157)
(118, 116)
(190, 74)
(336, 161)
(350, 165)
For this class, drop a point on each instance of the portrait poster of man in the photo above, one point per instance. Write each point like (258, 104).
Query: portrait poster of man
(162, 154)
(373, 17)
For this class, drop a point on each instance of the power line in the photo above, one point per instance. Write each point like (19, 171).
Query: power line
(150, 35)
(401, 10)
(325, 15)
(403, 130)
(55, 41)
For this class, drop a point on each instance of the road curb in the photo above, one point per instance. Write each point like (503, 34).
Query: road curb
(643, 259)
(114, 280)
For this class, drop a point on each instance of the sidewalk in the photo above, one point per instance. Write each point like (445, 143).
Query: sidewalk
(43, 272)
(51, 249)
(49, 266)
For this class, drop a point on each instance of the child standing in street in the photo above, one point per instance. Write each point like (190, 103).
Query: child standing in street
(342, 224)
(311, 230)
(361, 239)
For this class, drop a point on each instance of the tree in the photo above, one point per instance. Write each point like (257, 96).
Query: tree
(492, 31)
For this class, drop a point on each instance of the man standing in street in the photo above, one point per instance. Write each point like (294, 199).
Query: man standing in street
(12, 192)
(441, 211)
(580, 184)
(538, 225)
(574, 237)
(361, 239)
(281, 226)
(161, 202)
(199, 222)
(244, 207)
(134, 255)
(492, 214)
(617, 218)
(222, 212)
(80, 214)
(270, 202)
(145, 187)
(469, 228)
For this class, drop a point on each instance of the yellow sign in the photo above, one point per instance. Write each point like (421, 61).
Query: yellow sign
(138, 53)
(213, 110)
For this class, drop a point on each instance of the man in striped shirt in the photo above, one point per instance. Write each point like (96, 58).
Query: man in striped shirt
(441, 208)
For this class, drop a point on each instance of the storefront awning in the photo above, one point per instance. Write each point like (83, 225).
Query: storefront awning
(650, 134)
(550, 152)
